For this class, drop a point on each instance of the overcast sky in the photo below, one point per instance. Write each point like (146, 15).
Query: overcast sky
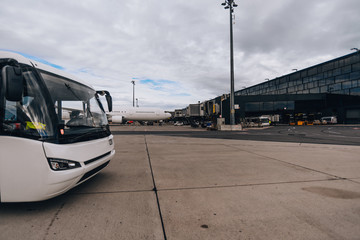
(177, 51)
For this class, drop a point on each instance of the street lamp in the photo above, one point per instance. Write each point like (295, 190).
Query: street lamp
(133, 82)
(230, 4)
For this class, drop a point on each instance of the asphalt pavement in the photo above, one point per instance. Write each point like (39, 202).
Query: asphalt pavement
(320, 134)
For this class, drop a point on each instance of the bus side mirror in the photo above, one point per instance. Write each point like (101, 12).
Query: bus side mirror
(14, 83)
(107, 97)
(109, 101)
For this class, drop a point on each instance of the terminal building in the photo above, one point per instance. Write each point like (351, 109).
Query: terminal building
(331, 88)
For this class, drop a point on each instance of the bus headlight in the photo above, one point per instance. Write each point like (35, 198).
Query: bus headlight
(62, 164)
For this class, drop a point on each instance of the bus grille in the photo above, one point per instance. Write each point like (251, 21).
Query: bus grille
(94, 171)
(97, 158)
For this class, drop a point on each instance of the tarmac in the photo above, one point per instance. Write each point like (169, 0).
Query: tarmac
(168, 187)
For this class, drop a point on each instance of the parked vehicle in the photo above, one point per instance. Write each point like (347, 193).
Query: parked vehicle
(264, 121)
(178, 123)
(45, 152)
(261, 121)
(329, 120)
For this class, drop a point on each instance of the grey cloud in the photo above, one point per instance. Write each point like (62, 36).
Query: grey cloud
(182, 41)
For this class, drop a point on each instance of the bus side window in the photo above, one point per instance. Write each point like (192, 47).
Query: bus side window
(10, 111)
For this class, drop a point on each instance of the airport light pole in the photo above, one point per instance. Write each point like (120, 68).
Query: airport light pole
(230, 4)
(133, 82)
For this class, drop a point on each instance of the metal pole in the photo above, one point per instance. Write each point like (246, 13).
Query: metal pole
(232, 110)
(133, 82)
(221, 108)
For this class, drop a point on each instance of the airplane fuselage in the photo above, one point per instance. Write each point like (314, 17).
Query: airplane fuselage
(138, 114)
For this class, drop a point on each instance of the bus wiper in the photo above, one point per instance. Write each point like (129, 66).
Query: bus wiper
(80, 136)
(78, 126)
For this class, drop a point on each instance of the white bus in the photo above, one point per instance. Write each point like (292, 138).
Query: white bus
(43, 154)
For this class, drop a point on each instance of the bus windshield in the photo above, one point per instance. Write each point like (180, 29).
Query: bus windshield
(54, 108)
(79, 111)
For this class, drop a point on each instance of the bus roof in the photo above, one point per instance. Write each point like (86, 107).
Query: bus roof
(39, 65)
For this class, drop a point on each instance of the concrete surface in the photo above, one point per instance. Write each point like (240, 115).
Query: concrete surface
(276, 211)
(206, 189)
(229, 127)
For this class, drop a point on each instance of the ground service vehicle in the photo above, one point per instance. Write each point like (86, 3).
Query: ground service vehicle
(329, 120)
(261, 121)
(44, 154)
(264, 121)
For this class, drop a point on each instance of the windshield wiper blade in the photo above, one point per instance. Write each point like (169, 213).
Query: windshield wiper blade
(79, 126)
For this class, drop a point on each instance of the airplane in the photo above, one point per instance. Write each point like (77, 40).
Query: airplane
(140, 114)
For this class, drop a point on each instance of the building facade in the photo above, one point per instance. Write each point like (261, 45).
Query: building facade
(328, 89)
(338, 76)
(331, 88)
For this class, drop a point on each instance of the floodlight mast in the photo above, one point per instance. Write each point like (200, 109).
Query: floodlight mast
(133, 82)
(230, 4)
